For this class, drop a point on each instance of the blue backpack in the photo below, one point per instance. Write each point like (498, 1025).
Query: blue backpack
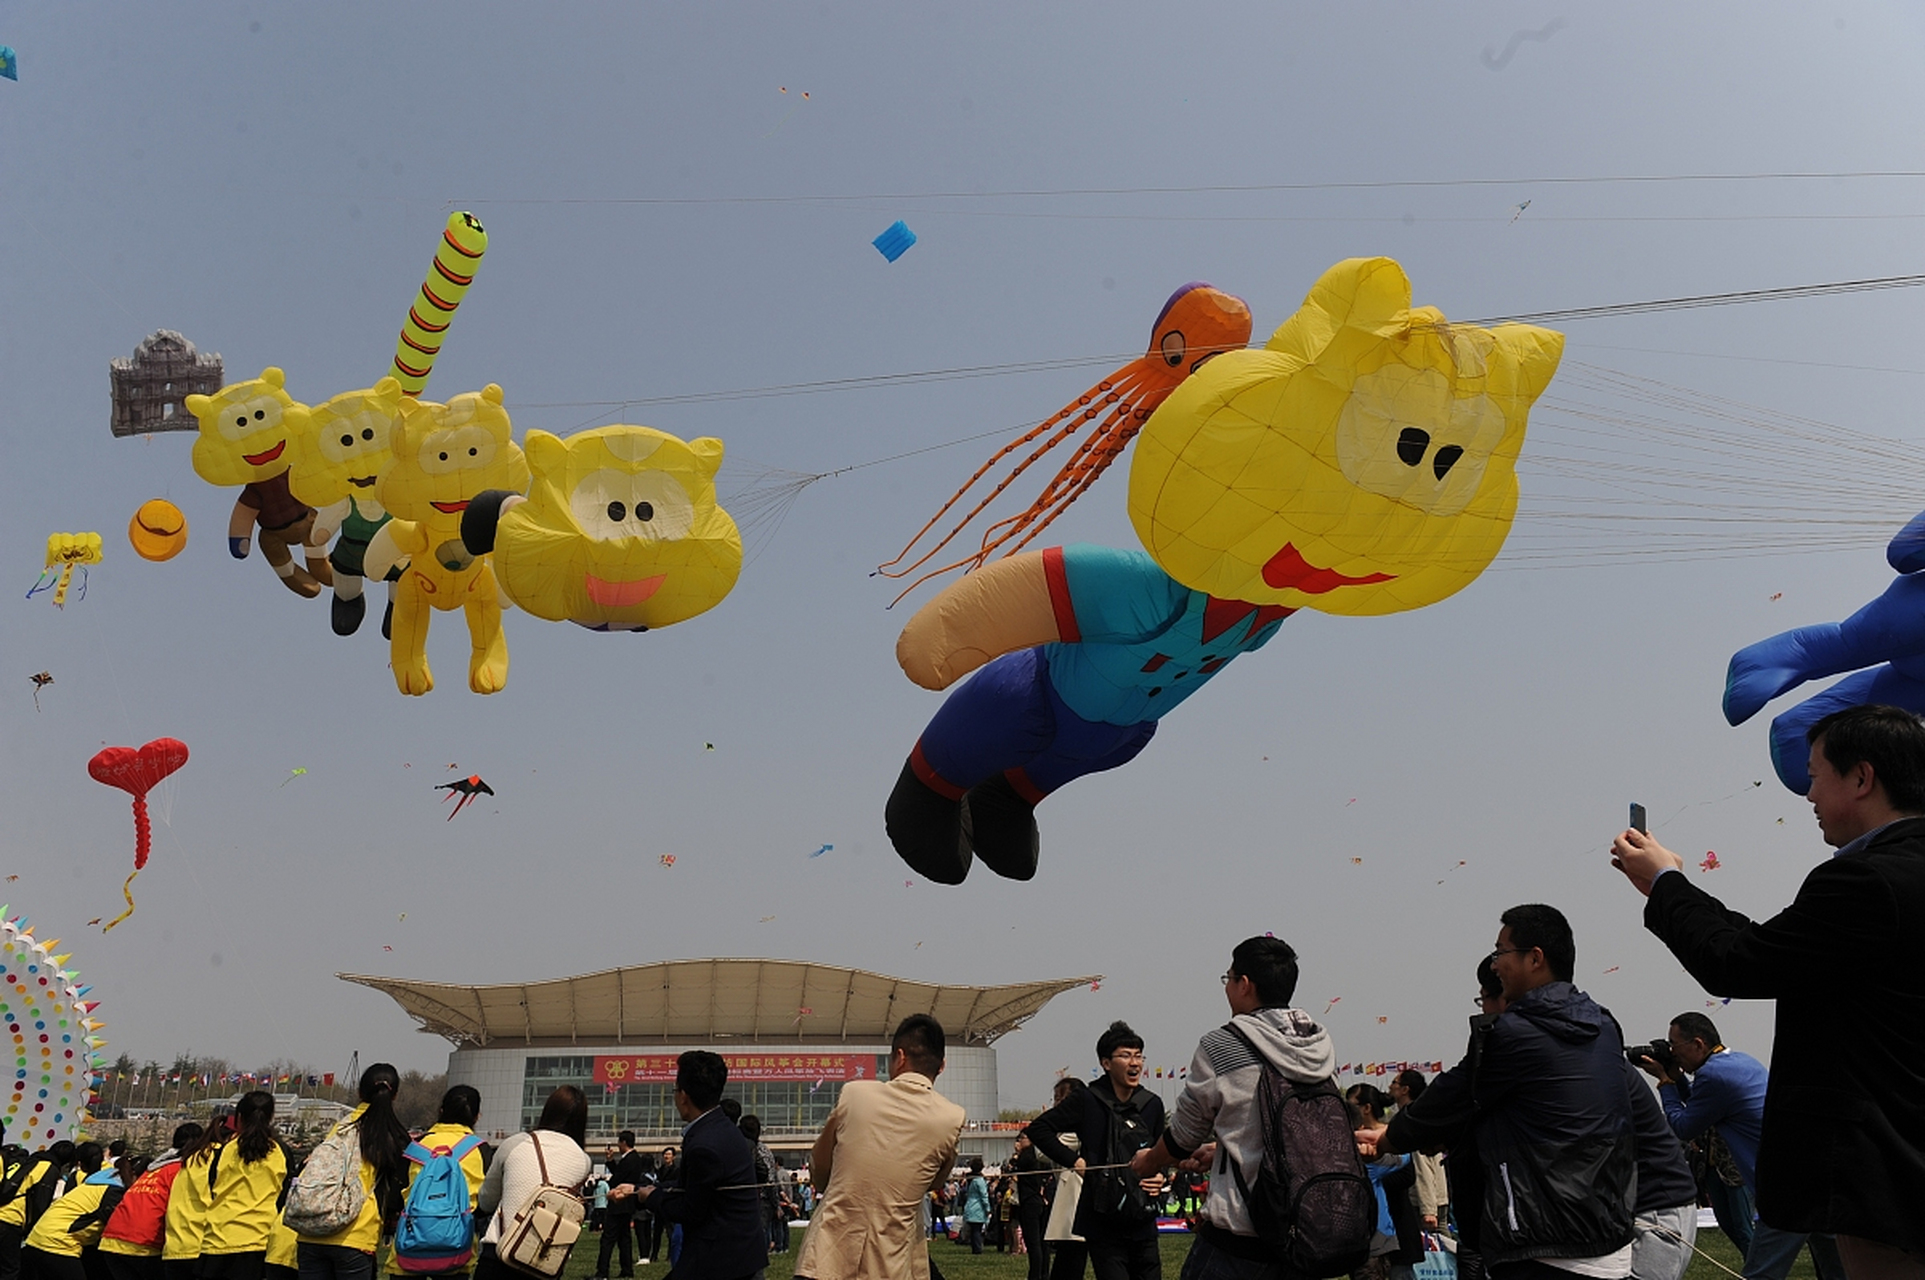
(437, 1231)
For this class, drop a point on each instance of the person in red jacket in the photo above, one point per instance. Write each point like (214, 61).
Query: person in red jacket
(131, 1241)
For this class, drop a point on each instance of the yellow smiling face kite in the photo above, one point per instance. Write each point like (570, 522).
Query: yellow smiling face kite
(1363, 462)
(346, 446)
(621, 530)
(243, 430)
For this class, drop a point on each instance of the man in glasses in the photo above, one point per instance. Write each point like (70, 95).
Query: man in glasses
(1843, 1142)
(1113, 1119)
(1551, 1118)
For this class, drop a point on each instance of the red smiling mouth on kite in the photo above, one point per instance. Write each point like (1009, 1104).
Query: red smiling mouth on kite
(1289, 571)
(258, 459)
(620, 595)
(449, 508)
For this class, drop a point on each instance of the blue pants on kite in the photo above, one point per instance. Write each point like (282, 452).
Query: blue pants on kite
(1883, 643)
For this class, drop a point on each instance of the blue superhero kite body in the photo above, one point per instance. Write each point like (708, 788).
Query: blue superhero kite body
(1134, 643)
(1883, 644)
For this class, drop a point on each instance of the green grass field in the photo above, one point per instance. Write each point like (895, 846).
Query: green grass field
(959, 1264)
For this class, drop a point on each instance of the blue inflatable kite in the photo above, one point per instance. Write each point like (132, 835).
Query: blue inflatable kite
(1883, 643)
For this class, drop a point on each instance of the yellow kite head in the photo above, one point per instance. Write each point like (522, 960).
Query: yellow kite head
(621, 530)
(445, 454)
(345, 446)
(1363, 462)
(244, 430)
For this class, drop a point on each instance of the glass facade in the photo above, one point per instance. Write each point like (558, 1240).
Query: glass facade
(796, 1108)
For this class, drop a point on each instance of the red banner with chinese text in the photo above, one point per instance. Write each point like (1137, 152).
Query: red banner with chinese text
(659, 1068)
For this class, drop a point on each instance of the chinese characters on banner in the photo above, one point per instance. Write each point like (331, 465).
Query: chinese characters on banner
(659, 1068)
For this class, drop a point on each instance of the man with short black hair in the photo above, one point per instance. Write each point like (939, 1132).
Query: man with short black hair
(1215, 1129)
(886, 1146)
(625, 1179)
(1113, 1119)
(1546, 1098)
(1842, 1147)
(714, 1201)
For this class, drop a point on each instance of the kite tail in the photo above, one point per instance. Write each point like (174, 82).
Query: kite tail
(60, 590)
(127, 892)
(41, 584)
(453, 270)
(143, 838)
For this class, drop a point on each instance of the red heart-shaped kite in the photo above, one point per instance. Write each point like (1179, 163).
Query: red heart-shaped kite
(138, 771)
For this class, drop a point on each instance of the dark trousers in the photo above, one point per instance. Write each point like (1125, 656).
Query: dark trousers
(38, 1264)
(133, 1266)
(617, 1227)
(973, 1232)
(1068, 1259)
(10, 1238)
(1030, 1216)
(1121, 1257)
(332, 1262)
(248, 1265)
(657, 1231)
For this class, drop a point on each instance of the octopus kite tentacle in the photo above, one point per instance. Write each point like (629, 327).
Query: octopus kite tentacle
(1197, 323)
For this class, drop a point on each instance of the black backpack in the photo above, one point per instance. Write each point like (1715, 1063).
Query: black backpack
(1313, 1204)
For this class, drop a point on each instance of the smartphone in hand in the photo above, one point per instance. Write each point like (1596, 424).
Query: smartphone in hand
(1639, 821)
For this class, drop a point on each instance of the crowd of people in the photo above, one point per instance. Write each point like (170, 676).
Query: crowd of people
(1543, 1151)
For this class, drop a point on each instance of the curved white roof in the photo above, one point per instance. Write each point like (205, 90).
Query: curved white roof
(698, 1001)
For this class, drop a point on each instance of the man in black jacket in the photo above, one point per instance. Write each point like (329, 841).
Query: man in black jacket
(1843, 1146)
(715, 1200)
(625, 1169)
(1113, 1119)
(1549, 1111)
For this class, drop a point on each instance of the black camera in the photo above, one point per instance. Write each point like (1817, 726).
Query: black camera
(1660, 1050)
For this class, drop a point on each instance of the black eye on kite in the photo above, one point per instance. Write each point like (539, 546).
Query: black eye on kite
(1411, 443)
(644, 511)
(473, 452)
(347, 442)
(241, 421)
(260, 415)
(444, 457)
(1446, 459)
(367, 433)
(616, 512)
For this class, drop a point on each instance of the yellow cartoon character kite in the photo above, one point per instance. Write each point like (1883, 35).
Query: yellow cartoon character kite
(335, 463)
(1362, 463)
(620, 530)
(444, 456)
(244, 437)
(64, 551)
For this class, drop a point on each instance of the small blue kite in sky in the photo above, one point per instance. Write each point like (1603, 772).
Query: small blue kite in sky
(10, 68)
(895, 242)
(824, 849)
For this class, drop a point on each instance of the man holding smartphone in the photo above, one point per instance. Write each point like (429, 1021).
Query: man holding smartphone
(1843, 1142)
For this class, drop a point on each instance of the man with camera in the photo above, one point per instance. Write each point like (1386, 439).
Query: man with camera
(1707, 1088)
(1843, 1138)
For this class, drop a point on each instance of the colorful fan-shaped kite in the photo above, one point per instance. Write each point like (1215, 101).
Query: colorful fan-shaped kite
(137, 771)
(56, 1038)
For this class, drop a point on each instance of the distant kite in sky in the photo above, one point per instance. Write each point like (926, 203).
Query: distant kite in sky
(292, 774)
(9, 62)
(1710, 862)
(137, 771)
(41, 679)
(895, 242)
(64, 551)
(468, 788)
(667, 859)
(1517, 211)
(824, 849)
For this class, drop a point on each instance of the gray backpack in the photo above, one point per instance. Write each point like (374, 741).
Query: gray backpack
(327, 1196)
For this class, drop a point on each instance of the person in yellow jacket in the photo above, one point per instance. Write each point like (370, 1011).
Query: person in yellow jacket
(52, 1163)
(190, 1200)
(459, 1108)
(73, 1222)
(131, 1244)
(348, 1254)
(282, 1252)
(246, 1175)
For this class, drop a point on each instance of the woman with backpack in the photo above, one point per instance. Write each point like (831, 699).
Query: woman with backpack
(428, 1238)
(245, 1176)
(550, 1157)
(130, 1244)
(370, 1143)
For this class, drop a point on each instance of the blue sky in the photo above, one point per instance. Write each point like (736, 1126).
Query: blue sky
(270, 180)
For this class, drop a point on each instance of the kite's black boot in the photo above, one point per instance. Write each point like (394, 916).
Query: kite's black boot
(347, 614)
(387, 622)
(927, 830)
(1001, 826)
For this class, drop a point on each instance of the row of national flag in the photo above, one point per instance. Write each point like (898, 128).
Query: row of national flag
(208, 1078)
(1388, 1068)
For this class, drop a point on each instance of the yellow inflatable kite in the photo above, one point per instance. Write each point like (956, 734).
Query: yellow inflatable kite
(64, 552)
(244, 435)
(1363, 462)
(444, 456)
(337, 457)
(620, 530)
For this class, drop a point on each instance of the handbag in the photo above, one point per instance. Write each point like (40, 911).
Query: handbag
(541, 1236)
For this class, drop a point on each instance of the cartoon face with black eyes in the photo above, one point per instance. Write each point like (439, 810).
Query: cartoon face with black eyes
(346, 449)
(621, 530)
(243, 430)
(1363, 462)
